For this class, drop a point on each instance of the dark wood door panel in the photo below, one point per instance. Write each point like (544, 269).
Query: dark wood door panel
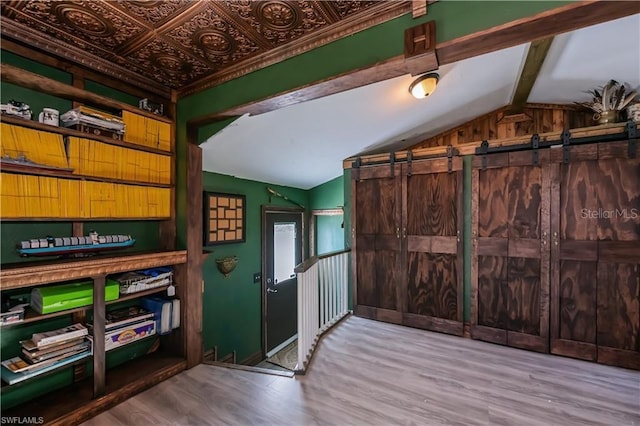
(578, 197)
(493, 203)
(388, 270)
(492, 288)
(385, 209)
(375, 172)
(433, 291)
(435, 165)
(522, 295)
(489, 334)
(427, 244)
(524, 201)
(618, 312)
(433, 323)
(432, 204)
(573, 349)
(490, 246)
(619, 357)
(366, 194)
(577, 301)
(527, 341)
(525, 248)
(366, 273)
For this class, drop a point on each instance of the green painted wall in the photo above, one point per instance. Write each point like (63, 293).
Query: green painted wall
(329, 232)
(232, 306)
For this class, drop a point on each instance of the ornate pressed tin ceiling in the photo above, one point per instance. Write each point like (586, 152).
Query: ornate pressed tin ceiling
(184, 44)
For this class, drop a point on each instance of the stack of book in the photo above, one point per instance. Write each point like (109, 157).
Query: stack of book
(127, 325)
(47, 351)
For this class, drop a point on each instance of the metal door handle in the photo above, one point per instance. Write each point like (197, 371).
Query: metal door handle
(271, 290)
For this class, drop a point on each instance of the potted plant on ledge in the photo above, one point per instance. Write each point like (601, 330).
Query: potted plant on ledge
(608, 100)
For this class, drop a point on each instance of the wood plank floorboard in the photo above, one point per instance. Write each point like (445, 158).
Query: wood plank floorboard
(366, 372)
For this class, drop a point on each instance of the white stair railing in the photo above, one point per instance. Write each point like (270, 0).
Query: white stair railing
(322, 299)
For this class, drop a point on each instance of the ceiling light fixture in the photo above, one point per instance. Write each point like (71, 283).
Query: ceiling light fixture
(424, 85)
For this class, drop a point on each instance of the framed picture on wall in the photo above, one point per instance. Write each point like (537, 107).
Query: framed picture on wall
(224, 218)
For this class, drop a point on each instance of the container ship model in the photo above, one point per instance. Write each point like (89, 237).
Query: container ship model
(63, 246)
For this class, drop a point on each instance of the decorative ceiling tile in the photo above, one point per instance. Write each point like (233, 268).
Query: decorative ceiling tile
(185, 44)
(279, 21)
(211, 38)
(167, 64)
(154, 11)
(349, 7)
(91, 25)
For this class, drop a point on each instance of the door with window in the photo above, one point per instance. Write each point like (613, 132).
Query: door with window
(282, 241)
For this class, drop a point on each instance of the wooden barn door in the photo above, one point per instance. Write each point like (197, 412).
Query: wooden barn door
(510, 252)
(432, 223)
(595, 257)
(377, 245)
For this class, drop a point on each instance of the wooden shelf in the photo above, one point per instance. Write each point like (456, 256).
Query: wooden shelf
(67, 175)
(32, 316)
(6, 386)
(75, 404)
(39, 83)
(37, 273)
(76, 133)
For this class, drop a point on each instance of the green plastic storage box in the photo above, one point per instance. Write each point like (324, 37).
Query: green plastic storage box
(46, 300)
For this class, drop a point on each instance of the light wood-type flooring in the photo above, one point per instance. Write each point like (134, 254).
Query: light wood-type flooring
(371, 373)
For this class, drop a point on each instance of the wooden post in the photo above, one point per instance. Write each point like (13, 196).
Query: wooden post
(99, 357)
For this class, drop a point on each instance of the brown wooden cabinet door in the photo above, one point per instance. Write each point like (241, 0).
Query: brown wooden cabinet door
(432, 223)
(595, 256)
(510, 252)
(377, 242)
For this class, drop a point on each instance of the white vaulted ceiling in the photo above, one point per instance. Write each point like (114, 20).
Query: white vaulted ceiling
(303, 145)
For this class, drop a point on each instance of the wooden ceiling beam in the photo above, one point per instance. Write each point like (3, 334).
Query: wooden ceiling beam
(535, 58)
(546, 24)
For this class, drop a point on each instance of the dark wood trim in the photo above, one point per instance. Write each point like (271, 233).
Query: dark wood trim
(433, 323)
(99, 355)
(535, 58)
(30, 274)
(87, 74)
(378, 14)
(546, 24)
(40, 83)
(194, 284)
(252, 359)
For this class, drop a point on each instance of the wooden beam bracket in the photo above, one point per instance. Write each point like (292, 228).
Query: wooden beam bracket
(420, 48)
(632, 134)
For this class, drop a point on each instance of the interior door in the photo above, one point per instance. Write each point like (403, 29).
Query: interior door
(378, 260)
(433, 222)
(510, 252)
(595, 264)
(283, 251)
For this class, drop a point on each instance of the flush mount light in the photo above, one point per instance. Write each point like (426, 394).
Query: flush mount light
(424, 85)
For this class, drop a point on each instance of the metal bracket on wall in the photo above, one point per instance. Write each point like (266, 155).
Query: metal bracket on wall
(484, 148)
(392, 161)
(632, 134)
(449, 158)
(356, 168)
(409, 159)
(566, 141)
(535, 144)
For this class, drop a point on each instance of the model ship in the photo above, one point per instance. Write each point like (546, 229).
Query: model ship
(23, 164)
(61, 246)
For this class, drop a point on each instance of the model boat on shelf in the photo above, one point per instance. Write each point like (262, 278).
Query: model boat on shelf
(61, 246)
(23, 165)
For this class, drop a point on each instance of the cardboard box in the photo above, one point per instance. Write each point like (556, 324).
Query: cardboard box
(46, 300)
(128, 334)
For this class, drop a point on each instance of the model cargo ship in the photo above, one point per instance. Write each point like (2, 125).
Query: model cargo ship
(61, 246)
